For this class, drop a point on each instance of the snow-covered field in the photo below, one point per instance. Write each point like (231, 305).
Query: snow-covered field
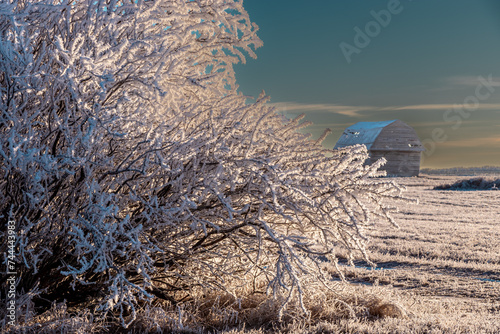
(440, 270)
(443, 264)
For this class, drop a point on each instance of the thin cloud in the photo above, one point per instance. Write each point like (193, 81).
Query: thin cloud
(471, 81)
(422, 124)
(351, 111)
(356, 111)
(443, 106)
(493, 141)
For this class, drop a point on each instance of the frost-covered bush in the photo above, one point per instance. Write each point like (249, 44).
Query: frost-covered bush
(135, 171)
(477, 183)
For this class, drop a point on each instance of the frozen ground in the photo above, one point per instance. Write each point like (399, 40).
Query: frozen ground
(441, 268)
(444, 261)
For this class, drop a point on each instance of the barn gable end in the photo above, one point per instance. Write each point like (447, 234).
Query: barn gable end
(393, 140)
(397, 136)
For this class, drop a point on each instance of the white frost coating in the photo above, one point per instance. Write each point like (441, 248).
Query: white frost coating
(370, 125)
(362, 133)
(136, 174)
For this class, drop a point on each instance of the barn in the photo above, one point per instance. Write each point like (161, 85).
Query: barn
(394, 140)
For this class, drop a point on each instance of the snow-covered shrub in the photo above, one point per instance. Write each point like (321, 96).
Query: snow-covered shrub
(134, 170)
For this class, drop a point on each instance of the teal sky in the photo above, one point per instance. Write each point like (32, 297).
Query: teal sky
(426, 61)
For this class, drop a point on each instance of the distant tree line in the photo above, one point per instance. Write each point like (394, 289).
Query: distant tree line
(463, 171)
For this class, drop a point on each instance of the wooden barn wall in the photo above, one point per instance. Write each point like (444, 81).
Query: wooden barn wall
(397, 136)
(399, 163)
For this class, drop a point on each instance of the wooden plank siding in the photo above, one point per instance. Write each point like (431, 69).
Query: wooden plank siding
(397, 136)
(394, 140)
(399, 163)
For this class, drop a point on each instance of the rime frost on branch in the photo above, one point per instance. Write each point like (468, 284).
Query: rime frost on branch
(134, 170)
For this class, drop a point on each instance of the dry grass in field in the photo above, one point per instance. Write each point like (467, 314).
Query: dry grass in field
(445, 256)
(439, 273)
(259, 314)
